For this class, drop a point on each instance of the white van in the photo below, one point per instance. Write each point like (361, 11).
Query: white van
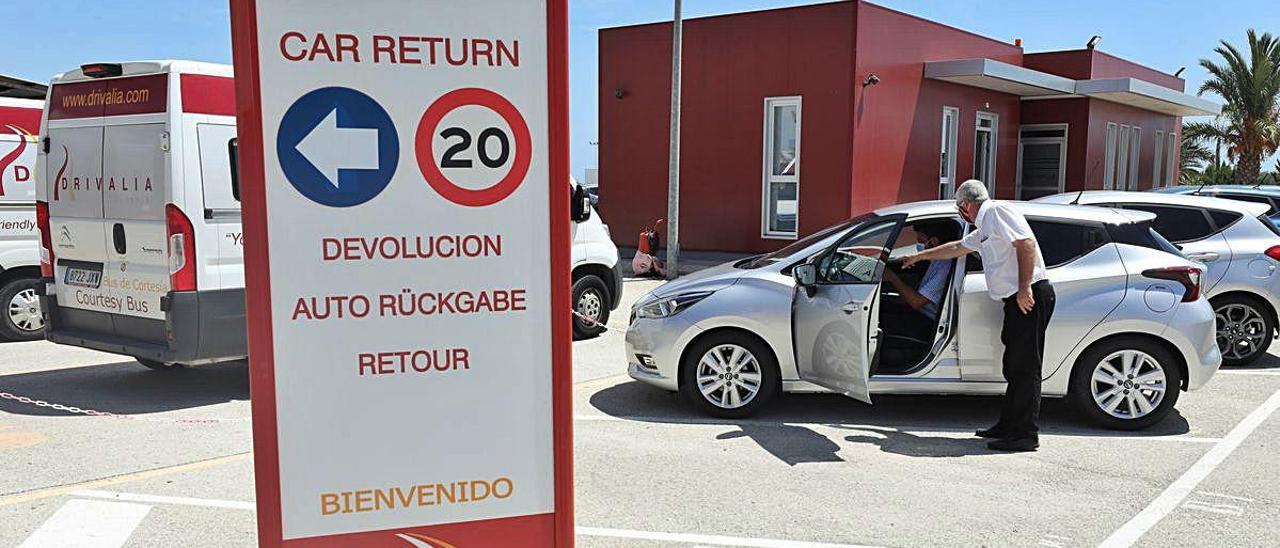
(597, 272)
(20, 317)
(139, 213)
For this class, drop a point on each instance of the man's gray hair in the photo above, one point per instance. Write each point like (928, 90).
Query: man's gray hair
(972, 191)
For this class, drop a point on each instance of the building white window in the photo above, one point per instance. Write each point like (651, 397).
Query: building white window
(1042, 160)
(984, 148)
(1170, 170)
(780, 213)
(1122, 158)
(1109, 166)
(947, 167)
(1157, 164)
(1135, 152)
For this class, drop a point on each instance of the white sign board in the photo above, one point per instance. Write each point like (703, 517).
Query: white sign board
(404, 269)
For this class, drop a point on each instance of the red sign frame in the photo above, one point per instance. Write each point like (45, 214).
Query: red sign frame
(554, 529)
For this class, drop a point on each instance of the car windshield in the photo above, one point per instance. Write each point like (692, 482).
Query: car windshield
(800, 245)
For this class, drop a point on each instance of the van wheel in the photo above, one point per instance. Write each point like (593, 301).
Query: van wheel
(1245, 329)
(1125, 384)
(158, 366)
(729, 375)
(591, 304)
(22, 320)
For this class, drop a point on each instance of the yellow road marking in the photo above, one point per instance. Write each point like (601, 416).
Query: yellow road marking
(28, 496)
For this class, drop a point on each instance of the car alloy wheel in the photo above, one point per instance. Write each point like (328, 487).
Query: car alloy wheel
(729, 376)
(1128, 384)
(24, 311)
(1242, 331)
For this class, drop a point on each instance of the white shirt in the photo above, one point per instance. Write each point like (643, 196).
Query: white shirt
(996, 227)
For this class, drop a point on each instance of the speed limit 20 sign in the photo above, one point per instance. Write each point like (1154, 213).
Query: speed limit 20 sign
(404, 173)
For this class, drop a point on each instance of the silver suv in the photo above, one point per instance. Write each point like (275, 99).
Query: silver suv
(1239, 247)
(1129, 332)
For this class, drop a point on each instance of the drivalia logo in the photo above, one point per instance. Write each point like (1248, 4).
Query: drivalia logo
(423, 541)
(20, 173)
(130, 184)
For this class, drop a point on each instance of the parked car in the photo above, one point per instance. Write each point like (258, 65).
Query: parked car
(1238, 245)
(1130, 330)
(21, 319)
(597, 272)
(1269, 195)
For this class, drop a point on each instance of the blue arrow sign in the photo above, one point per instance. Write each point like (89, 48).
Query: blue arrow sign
(337, 146)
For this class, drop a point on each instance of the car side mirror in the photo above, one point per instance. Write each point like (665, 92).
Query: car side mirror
(580, 205)
(806, 275)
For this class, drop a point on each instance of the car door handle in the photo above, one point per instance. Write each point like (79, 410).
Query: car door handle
(1204, 256)
(117, 238)
(849, 308)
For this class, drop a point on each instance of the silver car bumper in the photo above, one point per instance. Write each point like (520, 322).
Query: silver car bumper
(1193, 330)
(654, 347)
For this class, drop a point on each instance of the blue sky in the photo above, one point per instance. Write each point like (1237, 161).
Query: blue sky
(51, 36)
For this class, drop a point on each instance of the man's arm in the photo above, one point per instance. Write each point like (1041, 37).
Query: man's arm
(1025, 249)
(909, 294)
(943, 252)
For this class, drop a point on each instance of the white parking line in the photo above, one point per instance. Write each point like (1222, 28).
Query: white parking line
(685, 538)
(158, 499)
(88, 524)
(1269, 372)
(1172, 496)
(916, 430)
(707, 540)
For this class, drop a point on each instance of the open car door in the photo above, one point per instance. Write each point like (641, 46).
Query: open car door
(835, 321)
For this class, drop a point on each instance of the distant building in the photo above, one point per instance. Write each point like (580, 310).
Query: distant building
(796, 118)
(593, 177)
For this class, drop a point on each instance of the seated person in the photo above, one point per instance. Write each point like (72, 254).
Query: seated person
(925, 299)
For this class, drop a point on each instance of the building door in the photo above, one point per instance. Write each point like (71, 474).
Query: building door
(947, 168)
(1042, 160)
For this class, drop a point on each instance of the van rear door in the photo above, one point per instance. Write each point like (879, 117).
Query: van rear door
(134, 195)
(74, 179)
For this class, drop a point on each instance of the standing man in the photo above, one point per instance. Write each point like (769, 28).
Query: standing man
(1015, 274)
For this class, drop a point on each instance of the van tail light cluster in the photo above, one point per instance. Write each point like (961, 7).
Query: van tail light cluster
(46, 241)
(1273, 252)
(1188, 276)
(182, 249)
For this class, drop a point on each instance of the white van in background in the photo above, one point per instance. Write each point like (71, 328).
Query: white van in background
(20, 317)
(597, 272)
(139, 213)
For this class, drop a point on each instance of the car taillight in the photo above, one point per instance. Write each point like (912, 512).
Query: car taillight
(1188, 276)
(46, 242)
(1273, 252)
(182, 249)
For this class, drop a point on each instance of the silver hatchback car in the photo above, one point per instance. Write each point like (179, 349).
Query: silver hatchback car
(1129, 332)
(1237, 243)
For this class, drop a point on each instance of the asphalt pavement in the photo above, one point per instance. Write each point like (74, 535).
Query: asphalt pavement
(172, 465)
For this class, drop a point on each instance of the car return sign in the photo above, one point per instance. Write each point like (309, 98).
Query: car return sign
(404, 172)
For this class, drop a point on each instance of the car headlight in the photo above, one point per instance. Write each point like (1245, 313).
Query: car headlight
(668, 306)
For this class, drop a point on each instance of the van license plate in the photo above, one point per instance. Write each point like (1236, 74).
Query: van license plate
(84, 277)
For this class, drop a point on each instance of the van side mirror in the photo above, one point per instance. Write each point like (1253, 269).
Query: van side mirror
(806, 275)
(580, 205)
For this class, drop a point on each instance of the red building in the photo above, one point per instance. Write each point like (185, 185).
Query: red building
(796, 118)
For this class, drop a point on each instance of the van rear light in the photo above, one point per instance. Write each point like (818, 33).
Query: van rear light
(182, 249)
(1188, 276)
(1273, 252)
(102, 70)
(46, 242)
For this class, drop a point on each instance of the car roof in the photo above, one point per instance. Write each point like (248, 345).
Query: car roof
(138, 68)
(1114, 196)
(1034, 209)
(1263, 190)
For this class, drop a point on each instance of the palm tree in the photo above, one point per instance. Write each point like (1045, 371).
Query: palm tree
(1194, 152)
(1250, 87)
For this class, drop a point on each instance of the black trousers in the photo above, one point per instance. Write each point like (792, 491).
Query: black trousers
(1023, 338)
